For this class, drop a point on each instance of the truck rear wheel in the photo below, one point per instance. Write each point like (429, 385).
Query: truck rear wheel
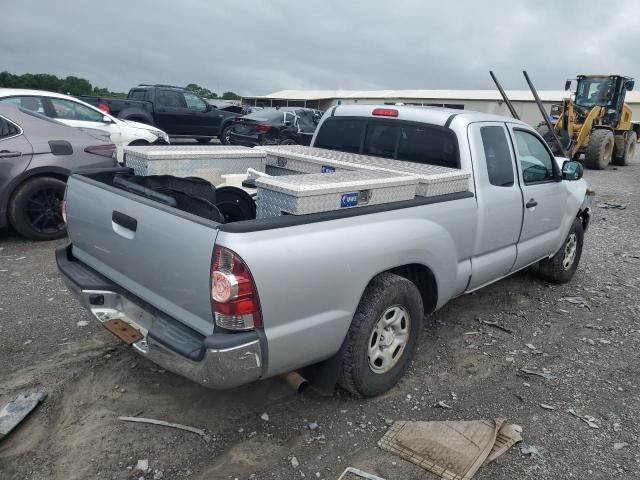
(35, 210)
(562, 266)
(629, 150)
(383, 336)
(599, 150)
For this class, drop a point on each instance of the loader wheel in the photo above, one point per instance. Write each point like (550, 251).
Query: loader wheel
(629, 150)
(561, 267)
(599, 149)
(382, 337)
(563, 136)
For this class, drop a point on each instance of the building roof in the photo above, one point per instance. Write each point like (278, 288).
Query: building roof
(514, 95)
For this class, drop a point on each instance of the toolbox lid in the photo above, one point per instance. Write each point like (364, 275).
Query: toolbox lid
(177, 152)
(326, 183)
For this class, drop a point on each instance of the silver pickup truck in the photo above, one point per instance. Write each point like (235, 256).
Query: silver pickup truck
(343, 292)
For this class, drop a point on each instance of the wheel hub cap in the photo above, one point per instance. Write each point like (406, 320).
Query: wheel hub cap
(570, 249)
(388, 339)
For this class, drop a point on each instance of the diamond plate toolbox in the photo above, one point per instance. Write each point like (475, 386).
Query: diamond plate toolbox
(432, 180)
(313, 193)
(208, 162)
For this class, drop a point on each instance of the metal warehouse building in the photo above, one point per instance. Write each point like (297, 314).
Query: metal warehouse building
(488, 101)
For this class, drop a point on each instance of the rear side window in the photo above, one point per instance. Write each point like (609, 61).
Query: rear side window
(428, 144)
(344, 134)
(69, 110)
(170, 98)
(497, 156)
(137, 95)
(30, 103)
(7, 129)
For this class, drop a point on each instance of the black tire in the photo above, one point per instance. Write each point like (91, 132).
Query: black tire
(563, 136)
(288, 141)
(558, 269)
(386, 292)
(225, 137)
(629, 150)
(203, 141)
(599, 149)
(35, 209)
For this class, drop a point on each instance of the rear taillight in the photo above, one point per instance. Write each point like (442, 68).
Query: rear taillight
(234, 299)
(263, 128)
(385, 112)
(104, 107)
(104, 150)
(63, 208)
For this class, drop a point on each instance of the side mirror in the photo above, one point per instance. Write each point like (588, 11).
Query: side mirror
(572, 170)
(567, 85)
(106, 119)
(629, 84)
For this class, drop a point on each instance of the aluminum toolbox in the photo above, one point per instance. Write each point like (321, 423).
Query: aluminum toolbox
(208, 162)
(300, 159)
(432, 180)
(313, 193)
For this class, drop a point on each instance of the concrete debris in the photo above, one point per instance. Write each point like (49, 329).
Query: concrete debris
(547, 407)
(494, 325)
(142, 466)
(82, 323)
(313, 426)
(529, 450)
(546, 374)
(265, 417)
(158, 475)
(617, 427)
(442, 404)
(620, 445)
(580, 301)
(17, 410)
(294, 462)
(588, 419)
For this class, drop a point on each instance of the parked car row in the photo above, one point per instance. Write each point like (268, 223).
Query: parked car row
(37, 155)
(75, 113)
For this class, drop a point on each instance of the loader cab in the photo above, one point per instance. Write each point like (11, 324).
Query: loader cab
(602, 90)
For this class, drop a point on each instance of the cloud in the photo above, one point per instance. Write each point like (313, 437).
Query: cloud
(256, 47)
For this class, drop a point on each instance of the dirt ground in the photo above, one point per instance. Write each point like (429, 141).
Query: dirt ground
(591, 348)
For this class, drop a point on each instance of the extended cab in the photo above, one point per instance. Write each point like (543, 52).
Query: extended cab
(179, 112)
(341, 292)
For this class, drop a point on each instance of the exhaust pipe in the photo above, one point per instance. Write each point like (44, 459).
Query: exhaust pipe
(296, 381)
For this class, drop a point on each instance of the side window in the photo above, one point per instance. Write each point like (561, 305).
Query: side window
(429, 145)
(69, 110)
(381, 140)
(344, 134)
(7, 129)
(535, 160)
(194, 102)
(30, 103)
(137, 95)
(497, 156)
(170, 98)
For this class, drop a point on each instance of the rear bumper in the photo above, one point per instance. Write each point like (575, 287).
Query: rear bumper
(217, 361)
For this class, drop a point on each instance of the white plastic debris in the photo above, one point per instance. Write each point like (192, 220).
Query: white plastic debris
(294, 462)
(265, 417)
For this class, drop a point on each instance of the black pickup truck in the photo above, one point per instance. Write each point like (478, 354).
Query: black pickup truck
(177, 111)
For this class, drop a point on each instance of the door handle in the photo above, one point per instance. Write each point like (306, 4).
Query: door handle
(8, 154)
(531, 203)
(124, 221)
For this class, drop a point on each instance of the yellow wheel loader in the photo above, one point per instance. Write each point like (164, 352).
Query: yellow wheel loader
(596, 122)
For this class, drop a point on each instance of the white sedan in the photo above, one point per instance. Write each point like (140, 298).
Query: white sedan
(76, 113)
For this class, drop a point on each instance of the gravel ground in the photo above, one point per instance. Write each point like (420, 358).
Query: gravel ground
(48, 342)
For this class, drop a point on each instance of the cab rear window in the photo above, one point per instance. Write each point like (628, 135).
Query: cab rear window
(410, 141)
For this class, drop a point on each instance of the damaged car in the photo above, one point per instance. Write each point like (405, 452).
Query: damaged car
(275, 126)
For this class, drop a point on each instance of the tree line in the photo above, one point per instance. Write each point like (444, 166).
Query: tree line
(75, 86)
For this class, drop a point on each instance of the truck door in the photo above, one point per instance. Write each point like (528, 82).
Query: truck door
(170, 110)
(544, 197)
(499, 203)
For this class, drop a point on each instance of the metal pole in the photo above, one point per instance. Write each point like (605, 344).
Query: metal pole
(504, 96)
(545, 117)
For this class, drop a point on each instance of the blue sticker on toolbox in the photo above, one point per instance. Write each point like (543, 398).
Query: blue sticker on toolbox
(349, 200)
(327, 169)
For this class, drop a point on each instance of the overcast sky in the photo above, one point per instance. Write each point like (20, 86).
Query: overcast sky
(257, 47)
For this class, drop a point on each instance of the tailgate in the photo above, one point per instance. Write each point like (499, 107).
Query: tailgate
(161, 255)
